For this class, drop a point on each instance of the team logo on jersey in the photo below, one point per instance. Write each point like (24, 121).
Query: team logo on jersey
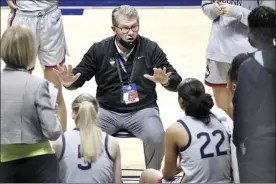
(233, 2)
(112, 61)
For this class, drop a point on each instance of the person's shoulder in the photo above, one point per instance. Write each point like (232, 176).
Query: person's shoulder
(101, 47)
(38, 81)
(145, 41)
(113, 141)
(175, 128)
(104, 42)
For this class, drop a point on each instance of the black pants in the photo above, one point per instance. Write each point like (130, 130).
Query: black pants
(258, 164)
(38, 169)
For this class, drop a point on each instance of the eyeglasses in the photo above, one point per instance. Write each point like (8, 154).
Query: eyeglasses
(126, 30)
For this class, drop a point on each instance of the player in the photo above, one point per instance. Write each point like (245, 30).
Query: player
(43, 17)
(200, 140)
(228, 38)
(254, 102)
(86, 154)
(232, 78)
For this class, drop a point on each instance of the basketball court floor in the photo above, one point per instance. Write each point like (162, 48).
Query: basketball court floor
(182, 33)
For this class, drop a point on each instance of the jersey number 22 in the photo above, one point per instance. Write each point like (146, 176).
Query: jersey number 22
(208, 140)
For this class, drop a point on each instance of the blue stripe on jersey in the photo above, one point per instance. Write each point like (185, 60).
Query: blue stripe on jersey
(106, 147)
(63, 147)
(189, 134)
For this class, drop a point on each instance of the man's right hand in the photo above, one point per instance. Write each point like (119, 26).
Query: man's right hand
(66, 76)
(11, 4)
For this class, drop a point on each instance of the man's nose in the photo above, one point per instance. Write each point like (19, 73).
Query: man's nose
(130, 32)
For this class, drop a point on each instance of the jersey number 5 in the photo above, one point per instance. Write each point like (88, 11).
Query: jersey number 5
(208, 140)
(80, 166)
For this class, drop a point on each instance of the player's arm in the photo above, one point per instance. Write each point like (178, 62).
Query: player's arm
(235, 11)
(87, 67)
(242, 13)
(160, 60)
(171, 152)
(210, 8)
(269, 3)
(11, 4)
(176, 138)
(57, 146)
(115, 152)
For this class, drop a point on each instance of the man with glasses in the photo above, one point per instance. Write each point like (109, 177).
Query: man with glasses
(127, 67)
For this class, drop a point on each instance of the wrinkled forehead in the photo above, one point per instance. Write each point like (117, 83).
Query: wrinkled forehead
(124, 21)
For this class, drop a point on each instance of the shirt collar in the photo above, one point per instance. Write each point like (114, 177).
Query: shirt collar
(123, 54)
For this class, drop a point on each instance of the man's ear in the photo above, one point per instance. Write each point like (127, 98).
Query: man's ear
(234, 86)
(181, 100)
(73, 115)
(113, 29)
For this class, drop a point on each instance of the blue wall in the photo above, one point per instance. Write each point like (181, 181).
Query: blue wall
(120, 2)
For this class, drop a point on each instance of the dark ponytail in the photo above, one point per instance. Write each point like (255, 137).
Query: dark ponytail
(196, 102)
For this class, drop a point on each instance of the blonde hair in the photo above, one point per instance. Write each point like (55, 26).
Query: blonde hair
(18, 47)
(85, 109)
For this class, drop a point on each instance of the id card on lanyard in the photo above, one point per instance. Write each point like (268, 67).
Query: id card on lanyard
(129, 92)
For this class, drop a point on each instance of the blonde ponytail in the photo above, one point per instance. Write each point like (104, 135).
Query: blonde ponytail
(91, 136)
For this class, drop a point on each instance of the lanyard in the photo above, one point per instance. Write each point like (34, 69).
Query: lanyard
(119, 61)
(122, 64)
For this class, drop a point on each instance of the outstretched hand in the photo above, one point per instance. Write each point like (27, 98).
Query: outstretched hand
(159, 76)
(66, 76)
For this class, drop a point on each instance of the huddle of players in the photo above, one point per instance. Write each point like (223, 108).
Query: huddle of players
(201, 138)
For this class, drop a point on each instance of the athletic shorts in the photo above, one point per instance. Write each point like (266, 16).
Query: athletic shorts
(216, 73)
(48, 30)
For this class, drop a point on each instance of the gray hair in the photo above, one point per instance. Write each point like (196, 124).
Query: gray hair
(124, 10)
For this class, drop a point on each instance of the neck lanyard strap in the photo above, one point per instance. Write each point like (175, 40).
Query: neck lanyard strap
(119, 61)
(122, 64)
(118, 69)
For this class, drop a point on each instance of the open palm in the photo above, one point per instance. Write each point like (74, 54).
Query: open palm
(159, 75)
(66, 76)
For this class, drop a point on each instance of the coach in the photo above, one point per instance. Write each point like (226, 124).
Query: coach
(127, 67)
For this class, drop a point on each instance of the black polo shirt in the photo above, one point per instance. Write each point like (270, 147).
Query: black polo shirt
(101, 61)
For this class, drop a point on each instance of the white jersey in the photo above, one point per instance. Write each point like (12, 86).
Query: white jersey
(206, 158)
(36, 5)
(228, 124)
(72, 168)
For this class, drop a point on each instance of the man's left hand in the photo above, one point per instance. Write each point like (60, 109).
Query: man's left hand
(159, 76)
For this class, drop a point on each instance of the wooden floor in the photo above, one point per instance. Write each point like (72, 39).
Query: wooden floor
(182, 34)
